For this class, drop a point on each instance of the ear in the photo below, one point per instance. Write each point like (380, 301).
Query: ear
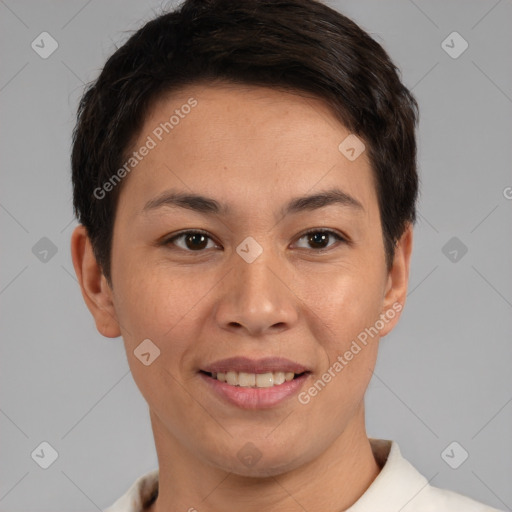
(398, 279)
(95, 288)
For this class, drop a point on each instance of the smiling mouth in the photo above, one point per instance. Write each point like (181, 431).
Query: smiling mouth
(254, 380)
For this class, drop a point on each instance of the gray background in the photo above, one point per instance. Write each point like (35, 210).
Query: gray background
(443, 373)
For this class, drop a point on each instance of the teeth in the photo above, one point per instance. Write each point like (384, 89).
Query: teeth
(232, 378)
(264, 380)
(246, 380)
(280, 377)
(251, 380)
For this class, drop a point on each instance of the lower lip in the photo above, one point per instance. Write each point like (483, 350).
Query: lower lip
(255, 398)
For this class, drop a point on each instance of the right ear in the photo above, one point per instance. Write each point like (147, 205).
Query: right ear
(96, 291)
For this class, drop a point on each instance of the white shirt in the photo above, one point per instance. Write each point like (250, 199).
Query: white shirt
(398, 487)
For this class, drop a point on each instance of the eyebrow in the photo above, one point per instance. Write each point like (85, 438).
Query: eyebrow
(207, 205)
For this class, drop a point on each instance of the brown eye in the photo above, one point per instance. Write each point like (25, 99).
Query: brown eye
(191, 241)
(197, 241)
(318, 239)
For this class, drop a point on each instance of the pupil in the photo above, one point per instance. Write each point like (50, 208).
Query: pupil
(318, 238)
(195, 237)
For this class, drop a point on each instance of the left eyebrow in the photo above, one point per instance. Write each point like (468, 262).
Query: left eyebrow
(333, 196)
(208, 205)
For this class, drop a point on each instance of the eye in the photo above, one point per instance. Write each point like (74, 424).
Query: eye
(193, 241)
(197, 241)
(319, 238)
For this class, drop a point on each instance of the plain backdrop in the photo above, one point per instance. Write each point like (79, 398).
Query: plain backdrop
(443, 375)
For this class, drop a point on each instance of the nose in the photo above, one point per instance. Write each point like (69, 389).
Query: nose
(256, 297)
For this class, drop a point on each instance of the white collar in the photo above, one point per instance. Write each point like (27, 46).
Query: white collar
(398, 487)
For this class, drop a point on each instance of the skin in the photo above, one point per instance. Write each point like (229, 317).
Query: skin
(254, 149)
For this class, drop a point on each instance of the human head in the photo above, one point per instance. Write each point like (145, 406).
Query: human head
(254, 144)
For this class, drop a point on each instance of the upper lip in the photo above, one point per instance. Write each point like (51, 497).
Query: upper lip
(247, 365)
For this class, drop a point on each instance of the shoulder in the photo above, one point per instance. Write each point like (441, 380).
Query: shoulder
(435, 499)
(139, 494)
(400, 486)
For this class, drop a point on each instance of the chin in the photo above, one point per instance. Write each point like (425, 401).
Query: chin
(249, 462)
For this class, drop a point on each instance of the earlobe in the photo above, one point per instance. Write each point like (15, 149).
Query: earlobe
(96, 291)
(398, 280)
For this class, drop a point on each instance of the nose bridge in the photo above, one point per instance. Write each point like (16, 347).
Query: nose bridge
(256, 266)
(255, 296)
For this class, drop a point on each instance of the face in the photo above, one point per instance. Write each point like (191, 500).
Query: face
(287, 285)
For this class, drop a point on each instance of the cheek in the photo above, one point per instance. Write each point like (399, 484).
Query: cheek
(163, 304)
(346, 314)
(153, 306)
(148, 296)
(346, 305)
(345, 297)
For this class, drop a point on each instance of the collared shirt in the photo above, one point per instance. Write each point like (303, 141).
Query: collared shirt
(398, 487)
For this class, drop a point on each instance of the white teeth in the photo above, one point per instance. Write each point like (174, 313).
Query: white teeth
(280, 377)
(232, 378)
(251, 380)
(264, 380)
(246, 380)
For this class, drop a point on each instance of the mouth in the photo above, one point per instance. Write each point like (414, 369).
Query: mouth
(254, 380)
(255, 383)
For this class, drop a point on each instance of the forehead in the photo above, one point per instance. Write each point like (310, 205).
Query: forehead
(253, 144)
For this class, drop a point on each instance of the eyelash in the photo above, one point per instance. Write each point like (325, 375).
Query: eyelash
(336, 235)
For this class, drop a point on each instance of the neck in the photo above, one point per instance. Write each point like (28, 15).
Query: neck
(186, 483)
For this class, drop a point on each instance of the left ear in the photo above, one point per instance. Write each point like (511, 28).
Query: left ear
(398, 280)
